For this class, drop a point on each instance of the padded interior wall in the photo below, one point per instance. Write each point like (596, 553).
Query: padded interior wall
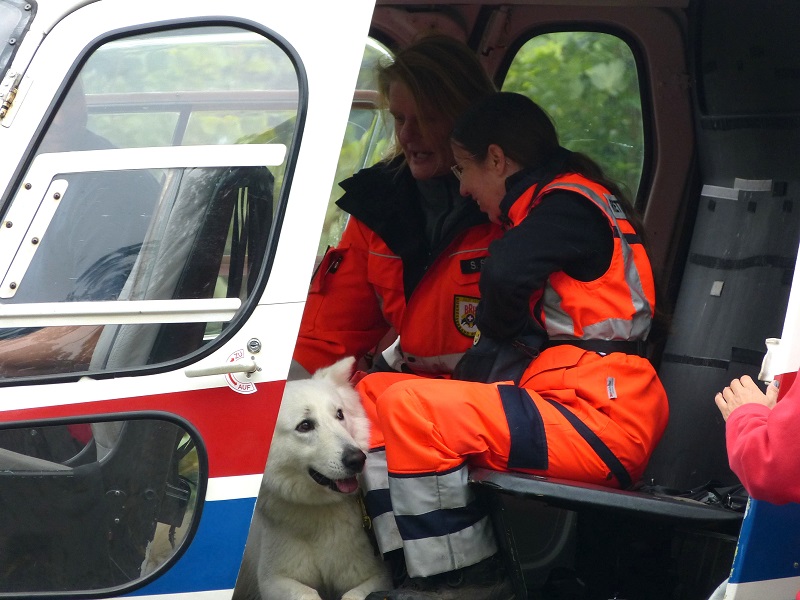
(733, 296)
(748, 60)
(740, 264)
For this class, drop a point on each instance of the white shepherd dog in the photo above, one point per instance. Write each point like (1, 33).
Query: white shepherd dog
(307, 540)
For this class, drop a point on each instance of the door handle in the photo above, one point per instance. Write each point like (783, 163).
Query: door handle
(241, 366)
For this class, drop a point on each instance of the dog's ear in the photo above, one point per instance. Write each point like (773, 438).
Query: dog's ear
(339, 372)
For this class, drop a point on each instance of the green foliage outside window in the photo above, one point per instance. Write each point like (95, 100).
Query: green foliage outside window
(181, 62)
(588, 83)
(366, 141)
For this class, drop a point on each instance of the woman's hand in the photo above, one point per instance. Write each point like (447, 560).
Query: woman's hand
(744, 391)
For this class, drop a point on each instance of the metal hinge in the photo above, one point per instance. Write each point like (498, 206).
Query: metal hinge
(8, 90)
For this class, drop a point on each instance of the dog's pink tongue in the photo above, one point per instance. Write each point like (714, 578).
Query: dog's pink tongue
(347, 486)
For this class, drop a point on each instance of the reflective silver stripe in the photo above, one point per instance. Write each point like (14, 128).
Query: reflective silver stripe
(412, 496)
(559, 323)
(386, 533)
(611, 329)
(642, 317)
(429, 556)
(603, 203)
(421, 495)
(373, 253)
(470, 251)
(375, 477)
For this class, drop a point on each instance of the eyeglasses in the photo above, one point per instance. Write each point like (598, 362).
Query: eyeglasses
(458, 170)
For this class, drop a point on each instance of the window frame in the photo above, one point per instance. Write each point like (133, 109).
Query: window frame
(222, 308)
(640, 198)
(200, 492)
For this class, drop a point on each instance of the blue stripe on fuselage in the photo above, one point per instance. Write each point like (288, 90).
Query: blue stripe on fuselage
(212, 560)
(769, 543)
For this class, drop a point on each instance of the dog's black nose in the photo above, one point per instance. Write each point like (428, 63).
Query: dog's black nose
(353, 459)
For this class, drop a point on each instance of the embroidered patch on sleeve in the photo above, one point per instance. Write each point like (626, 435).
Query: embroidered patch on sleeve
(464, 309)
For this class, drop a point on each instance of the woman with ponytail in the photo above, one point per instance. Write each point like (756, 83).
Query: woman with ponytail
(557, 383)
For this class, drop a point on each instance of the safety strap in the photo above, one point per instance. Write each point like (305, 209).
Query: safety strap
(732, 497)
(638, 348)
(603, 451)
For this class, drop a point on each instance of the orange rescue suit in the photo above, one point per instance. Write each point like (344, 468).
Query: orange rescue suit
(577, 414)
(385, 275)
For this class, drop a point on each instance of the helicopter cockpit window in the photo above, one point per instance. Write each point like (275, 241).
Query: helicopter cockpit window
(94, 505)
(157, 179)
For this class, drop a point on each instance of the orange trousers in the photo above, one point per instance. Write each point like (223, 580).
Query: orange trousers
(435, 425)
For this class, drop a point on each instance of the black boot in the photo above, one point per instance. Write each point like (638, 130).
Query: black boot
(486, 580)
(397, 566)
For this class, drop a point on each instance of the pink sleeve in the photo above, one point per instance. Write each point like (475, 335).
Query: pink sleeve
(764, 448)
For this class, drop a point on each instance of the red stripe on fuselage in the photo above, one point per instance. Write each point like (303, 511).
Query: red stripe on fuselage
(236, 429)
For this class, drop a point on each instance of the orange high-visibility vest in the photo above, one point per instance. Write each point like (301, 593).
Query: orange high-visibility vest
(617, 306)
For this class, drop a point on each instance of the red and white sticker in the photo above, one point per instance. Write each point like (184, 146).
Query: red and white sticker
(239, 382)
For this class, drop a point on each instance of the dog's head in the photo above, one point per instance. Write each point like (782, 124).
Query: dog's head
(320, 438)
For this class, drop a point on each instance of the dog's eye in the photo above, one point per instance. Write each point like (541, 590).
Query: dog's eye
(340, 415)
(305, 425)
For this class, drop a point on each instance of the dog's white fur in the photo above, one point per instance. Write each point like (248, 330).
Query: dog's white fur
(306, 541)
